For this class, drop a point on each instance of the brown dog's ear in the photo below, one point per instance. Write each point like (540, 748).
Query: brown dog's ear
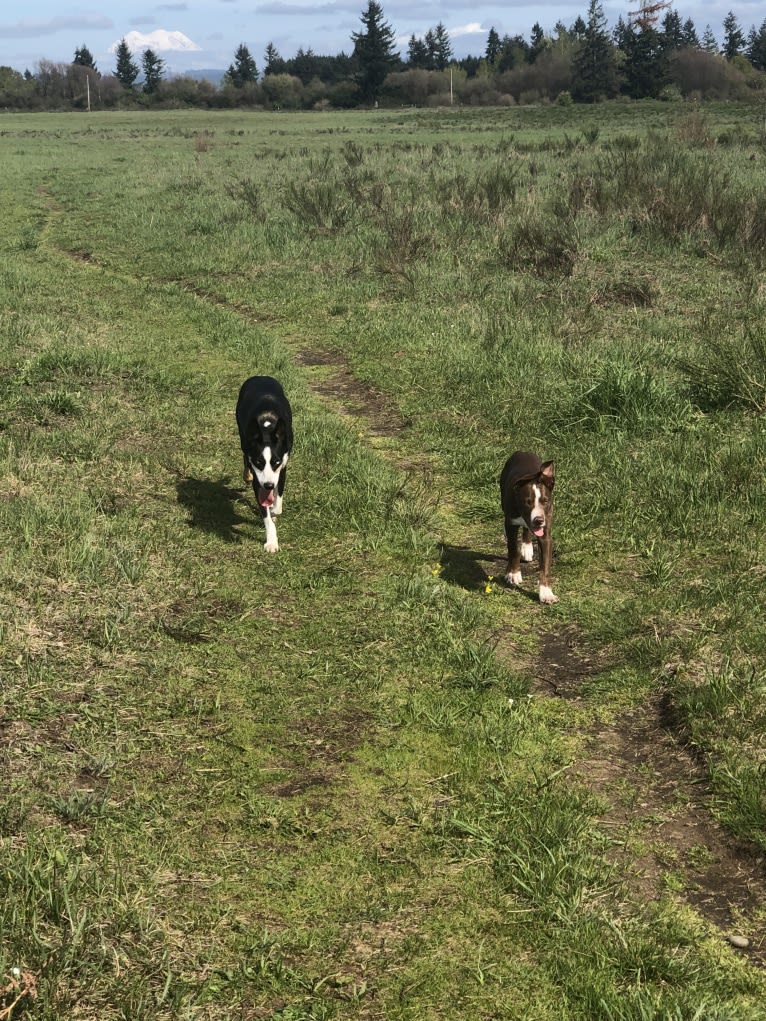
(548, 475)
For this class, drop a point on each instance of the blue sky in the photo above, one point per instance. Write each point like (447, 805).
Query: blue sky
(191, 34)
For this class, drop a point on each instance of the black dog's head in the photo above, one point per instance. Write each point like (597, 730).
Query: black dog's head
(267, 452)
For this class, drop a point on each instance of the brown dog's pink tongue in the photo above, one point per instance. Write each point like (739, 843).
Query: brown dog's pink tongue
(540, 532)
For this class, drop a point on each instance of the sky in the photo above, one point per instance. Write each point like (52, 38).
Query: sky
(204, 34)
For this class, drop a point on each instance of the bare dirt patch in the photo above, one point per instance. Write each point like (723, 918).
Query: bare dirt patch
(658, 803)
(350, 395)
(321, 746)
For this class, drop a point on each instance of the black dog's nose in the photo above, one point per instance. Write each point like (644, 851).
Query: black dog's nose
(268, 486)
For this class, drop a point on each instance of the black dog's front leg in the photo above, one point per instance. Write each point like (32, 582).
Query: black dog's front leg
(271, 545)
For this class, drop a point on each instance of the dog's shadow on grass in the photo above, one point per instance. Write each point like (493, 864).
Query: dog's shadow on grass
(472, 569)
(464, 566)
(212, 506)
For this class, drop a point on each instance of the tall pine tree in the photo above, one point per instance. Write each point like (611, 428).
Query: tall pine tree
(374, 52)
(493, 46)
(243, 70)
(733, 37)
(153, 67)
(274, 63)
(756, 47)
(84, 58)
(417, 52)
(441, 53)
(594, 63)
(126, 70)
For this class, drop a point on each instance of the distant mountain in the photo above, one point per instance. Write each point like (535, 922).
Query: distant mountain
(209, 74)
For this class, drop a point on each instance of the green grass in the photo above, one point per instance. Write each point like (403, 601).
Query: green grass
(325, 784)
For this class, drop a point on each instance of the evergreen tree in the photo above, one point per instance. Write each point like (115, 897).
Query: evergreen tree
(563, 37)
(622, 34)
(126, 70)
(374, 52)
(84, 58)
(513, 51)
(733, 38)
(441, 54)
(708, 41)
(243, 70)
(672, 35)
(579, 28)
(690, 37)
(756, 47)
(430, 44)
(274, 63)
(417, 52)
(595, 67)
(492, 51)
(537, 42)
(153, 67)
(645, 64)
(305, 65)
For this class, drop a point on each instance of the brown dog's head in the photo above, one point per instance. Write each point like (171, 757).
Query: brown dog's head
(534, 497)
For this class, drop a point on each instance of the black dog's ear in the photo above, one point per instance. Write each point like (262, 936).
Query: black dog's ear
(547, 474)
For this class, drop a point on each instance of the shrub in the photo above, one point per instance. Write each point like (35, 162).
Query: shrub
(540, 244)
(320, 201)
(696, 72)
(730, 371)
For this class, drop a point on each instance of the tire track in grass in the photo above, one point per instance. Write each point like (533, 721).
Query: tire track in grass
(658, 800)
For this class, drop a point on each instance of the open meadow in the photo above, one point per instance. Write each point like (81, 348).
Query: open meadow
(362, 777)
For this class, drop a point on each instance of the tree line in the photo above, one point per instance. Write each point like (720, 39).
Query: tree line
(642, 57)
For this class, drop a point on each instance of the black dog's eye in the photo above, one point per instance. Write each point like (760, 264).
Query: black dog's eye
(275, 462)
(260, 463)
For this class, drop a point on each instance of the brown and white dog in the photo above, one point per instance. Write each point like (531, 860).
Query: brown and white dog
(526, 495)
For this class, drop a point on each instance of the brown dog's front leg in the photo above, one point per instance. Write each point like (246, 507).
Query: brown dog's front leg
(545, 545)
(513, 573)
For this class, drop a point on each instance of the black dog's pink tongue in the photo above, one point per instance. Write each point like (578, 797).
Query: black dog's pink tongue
(266, 497)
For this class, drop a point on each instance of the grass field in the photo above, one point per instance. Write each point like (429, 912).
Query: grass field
(362, 778)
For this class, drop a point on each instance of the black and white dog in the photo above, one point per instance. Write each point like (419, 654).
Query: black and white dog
(265, 422)
(526, 495)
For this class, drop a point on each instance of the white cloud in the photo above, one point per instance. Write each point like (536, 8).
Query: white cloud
(474, 28)
(159, 40)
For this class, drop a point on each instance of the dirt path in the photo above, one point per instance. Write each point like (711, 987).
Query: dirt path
(658, 800)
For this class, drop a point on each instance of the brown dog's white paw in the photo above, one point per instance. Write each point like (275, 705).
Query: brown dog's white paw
(547, 596)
